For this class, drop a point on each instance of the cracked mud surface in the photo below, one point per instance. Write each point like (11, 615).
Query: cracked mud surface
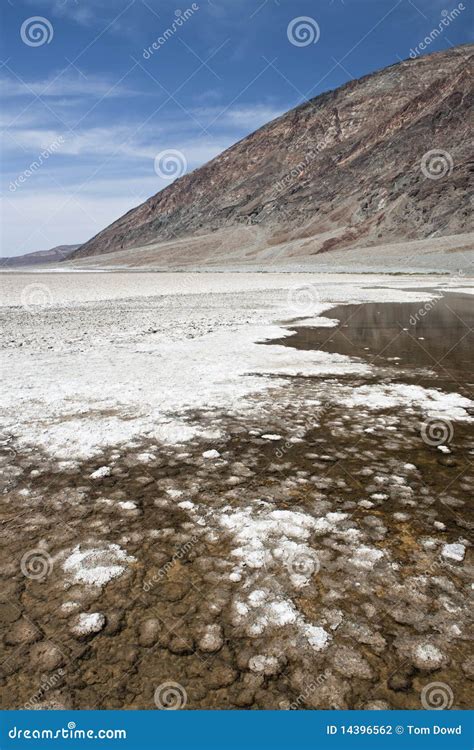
(314, 557)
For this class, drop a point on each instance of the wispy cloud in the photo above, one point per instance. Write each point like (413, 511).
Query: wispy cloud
(116, 141)
(66, 84)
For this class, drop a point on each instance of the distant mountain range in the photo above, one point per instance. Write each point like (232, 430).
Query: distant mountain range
(40, 257)
(383, 159)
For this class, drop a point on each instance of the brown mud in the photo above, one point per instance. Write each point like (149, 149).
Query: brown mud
(392, 488)
(365, 503)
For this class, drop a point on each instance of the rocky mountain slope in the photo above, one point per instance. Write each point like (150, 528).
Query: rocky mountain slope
(352, 167)
(40, 257)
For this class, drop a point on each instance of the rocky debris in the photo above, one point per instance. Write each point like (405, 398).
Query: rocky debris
(318, 689)
(149, 632)
(455, 551)
(96, 566)
(210, 454)
(87, 624)
(468, 668)
(212, 639)
(21, 632)
(402, 679)
(428, 658)
(350, 663)
(100, 473)
(115, 621)
(181, 641)
(46, 656)
(268, 665)
(220, 675)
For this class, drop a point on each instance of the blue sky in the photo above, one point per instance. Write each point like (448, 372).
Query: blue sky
(85, 110)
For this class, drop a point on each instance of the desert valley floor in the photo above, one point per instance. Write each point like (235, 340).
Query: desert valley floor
(242, 490)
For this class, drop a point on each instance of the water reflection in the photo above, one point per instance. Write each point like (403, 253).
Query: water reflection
(436, 334)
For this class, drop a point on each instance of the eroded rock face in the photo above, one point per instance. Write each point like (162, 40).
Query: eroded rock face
(347, 162)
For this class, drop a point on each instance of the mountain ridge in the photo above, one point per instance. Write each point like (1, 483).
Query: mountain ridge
(40, 257)
(348, 164)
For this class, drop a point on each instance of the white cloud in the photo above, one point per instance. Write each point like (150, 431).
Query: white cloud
(103, 167)
(65, 84)
(114, 141)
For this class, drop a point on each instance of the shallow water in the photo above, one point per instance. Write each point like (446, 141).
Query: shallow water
(438, 334)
